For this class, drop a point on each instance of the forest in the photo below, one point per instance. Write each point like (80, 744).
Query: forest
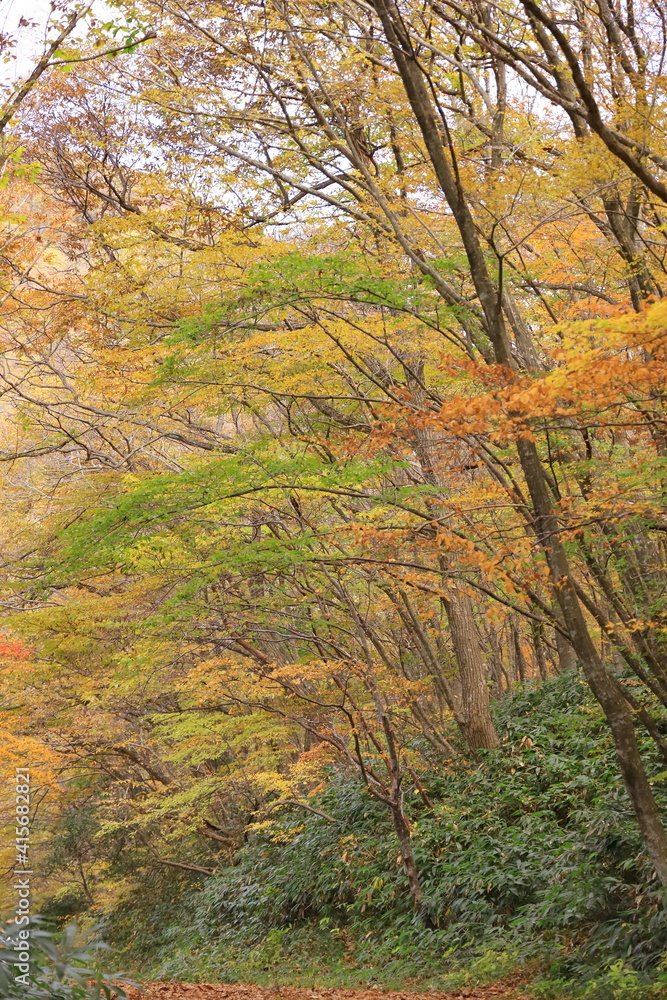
(333, 460)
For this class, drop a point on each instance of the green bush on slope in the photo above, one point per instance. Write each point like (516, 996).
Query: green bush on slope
(531, 851)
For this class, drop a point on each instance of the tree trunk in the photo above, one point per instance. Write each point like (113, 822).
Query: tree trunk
(478, 729)
(519, 658)
(567, 658)
(536, 630)
(475, 716)
(604, 685)
(437, 139)
(407, 856)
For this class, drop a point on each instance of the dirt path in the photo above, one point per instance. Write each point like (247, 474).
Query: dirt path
(505, 990)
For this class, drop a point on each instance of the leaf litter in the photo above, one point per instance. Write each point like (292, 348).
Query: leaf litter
(506, 989)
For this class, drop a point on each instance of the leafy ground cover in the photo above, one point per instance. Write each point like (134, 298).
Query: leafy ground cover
(529, 859)
(213, 991)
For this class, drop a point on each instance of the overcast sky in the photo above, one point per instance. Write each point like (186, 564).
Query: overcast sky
(29, 39)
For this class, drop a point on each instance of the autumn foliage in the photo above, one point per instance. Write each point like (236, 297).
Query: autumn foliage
(333, 369)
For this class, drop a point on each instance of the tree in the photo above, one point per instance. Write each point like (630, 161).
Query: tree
(311, 405)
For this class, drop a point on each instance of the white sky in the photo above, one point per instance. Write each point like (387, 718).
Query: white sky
(29, 39)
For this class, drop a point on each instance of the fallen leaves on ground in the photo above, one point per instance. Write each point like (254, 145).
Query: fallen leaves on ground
(507, 989)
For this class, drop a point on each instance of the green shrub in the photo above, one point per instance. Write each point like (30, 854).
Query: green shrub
(61, 971)
(530, 851)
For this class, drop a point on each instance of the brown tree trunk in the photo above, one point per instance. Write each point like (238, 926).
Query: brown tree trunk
(436, 139)
(519, 658)
(502, 682)
(475, 716)
(603, 684)
(393, 797)
(538, 645)
(478, 729)
(567, 658)
(407, 855)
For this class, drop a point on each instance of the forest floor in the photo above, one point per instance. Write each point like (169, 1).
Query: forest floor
(506, 989)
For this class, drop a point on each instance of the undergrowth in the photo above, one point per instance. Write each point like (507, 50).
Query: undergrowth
(530, 861)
